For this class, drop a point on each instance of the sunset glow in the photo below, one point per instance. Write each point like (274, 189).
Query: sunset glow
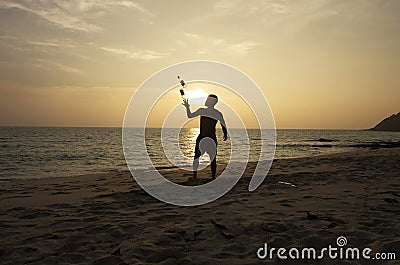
(196, 94)
(78, 63)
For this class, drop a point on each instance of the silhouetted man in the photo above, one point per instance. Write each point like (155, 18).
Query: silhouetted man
(207, 140)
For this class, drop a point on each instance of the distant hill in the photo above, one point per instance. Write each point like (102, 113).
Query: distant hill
(391, 123)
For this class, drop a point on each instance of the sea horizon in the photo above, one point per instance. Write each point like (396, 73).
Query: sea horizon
(121, 127)
(42, 152)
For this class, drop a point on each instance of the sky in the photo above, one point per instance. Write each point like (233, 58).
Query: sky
(320, 63)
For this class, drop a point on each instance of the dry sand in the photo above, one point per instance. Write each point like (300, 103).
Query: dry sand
(108, 219)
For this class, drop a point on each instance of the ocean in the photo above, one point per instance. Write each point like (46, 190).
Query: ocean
(43, 152)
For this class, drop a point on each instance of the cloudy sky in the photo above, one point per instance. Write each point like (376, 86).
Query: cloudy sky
(320, 63)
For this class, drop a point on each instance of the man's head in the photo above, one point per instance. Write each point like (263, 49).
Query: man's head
(211, 100)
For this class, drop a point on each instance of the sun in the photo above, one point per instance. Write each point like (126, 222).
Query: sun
(196, 94)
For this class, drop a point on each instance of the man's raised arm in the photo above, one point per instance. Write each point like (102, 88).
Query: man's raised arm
(188, 112)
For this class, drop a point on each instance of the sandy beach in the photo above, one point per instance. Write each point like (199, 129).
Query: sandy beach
(109, 219)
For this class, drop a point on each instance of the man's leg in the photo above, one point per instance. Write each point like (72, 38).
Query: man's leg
(197, 155)
(214, 161)
(195, 167)
(214, 167)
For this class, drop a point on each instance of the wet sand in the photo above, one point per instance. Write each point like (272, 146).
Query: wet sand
(109, 219)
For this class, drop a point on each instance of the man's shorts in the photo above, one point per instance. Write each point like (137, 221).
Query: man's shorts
(197, 151)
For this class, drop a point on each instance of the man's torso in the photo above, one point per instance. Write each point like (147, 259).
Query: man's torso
(207, 127)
